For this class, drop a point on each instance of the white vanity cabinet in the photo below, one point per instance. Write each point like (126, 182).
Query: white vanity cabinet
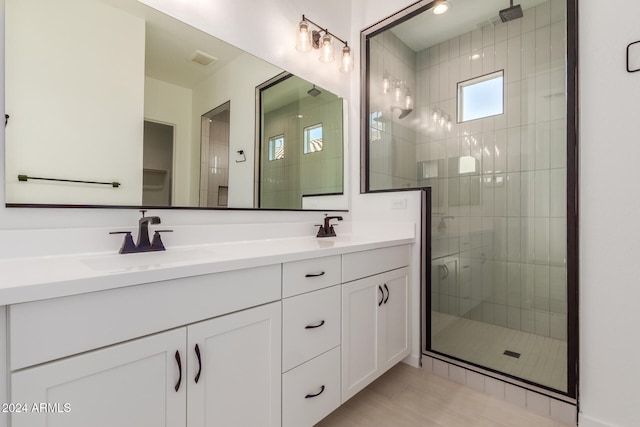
(151, 380)
(375, 317)
(280, 345)
(237, 367)
(311, 340)
(131, 384)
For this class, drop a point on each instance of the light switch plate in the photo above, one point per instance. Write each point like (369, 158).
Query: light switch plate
(633, 57)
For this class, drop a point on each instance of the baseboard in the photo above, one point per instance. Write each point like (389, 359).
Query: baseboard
(586, 421)
(412, 360)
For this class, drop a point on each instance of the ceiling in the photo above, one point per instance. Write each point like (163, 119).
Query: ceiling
(170, 44)
(426, 30)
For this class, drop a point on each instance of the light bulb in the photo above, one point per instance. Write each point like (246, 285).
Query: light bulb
(441, 8)
(303, 43)
(346, 64)
(436, 115)
(386, 84)
(397, 92)
(326, 46)
(408, 101)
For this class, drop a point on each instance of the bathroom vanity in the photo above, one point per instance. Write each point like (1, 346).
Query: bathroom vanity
(266, 333)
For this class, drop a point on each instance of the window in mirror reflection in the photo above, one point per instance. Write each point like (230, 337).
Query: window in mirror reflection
(276, 148)
(481, 97)
(313, 139)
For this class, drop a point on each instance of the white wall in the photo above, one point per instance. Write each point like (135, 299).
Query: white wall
(609, 206)
(236, 82)
(49, 102)
(170, 104)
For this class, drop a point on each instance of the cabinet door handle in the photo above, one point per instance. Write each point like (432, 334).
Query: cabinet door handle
(314, 274)
(309, 396)
(314, 326)
(381, 299)
(386, 289)
(177, 387)
(199, 363)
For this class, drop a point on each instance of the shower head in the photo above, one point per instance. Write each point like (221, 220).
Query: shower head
(511, 13)
(314, 91)
(404, 112)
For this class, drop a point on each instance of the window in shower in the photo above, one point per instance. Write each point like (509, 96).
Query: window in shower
(481, 97)
(487, 133)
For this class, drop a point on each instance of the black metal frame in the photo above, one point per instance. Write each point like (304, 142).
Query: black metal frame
(572, 181)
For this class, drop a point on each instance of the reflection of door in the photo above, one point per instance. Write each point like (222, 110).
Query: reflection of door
(214, 167)
(157, 164)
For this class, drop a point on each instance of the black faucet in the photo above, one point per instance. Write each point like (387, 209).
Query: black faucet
(143, 231)
(326, 230)
(143, 244)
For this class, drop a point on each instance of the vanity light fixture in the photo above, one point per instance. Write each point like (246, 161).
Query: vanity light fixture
(441, 119)
(401, 91)
(322, 39)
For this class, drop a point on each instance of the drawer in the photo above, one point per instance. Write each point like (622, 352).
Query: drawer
(309, 275)
(357, 265)
(310, 325)
(50, 329)
(320, 377)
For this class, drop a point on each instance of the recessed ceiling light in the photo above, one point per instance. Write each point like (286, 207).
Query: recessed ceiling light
(441, 8)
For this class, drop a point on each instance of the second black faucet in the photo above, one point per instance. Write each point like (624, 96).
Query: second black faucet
(144, 244)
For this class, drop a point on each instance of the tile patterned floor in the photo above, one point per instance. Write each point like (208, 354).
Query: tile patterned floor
(542, 360)
(410, 397)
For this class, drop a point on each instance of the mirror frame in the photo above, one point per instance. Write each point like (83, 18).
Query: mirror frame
(199, 208)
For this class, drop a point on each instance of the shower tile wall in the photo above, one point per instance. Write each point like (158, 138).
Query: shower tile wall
(392, 141)
(500, 233)
(285, 181)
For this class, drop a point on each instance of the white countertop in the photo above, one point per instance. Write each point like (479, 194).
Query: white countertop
(37, 278)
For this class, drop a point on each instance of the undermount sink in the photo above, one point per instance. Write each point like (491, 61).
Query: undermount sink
(146, 260)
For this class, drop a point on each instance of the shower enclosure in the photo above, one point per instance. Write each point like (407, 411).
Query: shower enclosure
(477, 110)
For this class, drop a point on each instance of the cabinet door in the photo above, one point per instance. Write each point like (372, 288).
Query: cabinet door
(360, 310)
(394, 318)
(131, 384)
(238, 370)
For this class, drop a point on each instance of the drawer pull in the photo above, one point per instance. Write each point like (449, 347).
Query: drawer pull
(381, 299)
(177, 387)
(314, 274)
(199, 364)
(386, 289)
(309, 396)
(314, 326)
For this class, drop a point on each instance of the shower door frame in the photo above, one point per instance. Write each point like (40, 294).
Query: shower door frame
(571, 190)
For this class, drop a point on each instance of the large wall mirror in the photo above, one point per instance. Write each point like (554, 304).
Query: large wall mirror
(477, 100)
(144, 110)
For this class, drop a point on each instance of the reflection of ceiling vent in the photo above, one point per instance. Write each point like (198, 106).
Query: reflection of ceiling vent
(202, 58)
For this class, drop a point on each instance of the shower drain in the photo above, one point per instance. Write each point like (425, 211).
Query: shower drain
(511, 354)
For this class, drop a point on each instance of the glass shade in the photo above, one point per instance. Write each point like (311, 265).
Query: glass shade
(346, 64)
(303, 43)
(326, 48)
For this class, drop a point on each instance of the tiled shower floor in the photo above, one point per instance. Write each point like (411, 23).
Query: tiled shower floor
(543, 360)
